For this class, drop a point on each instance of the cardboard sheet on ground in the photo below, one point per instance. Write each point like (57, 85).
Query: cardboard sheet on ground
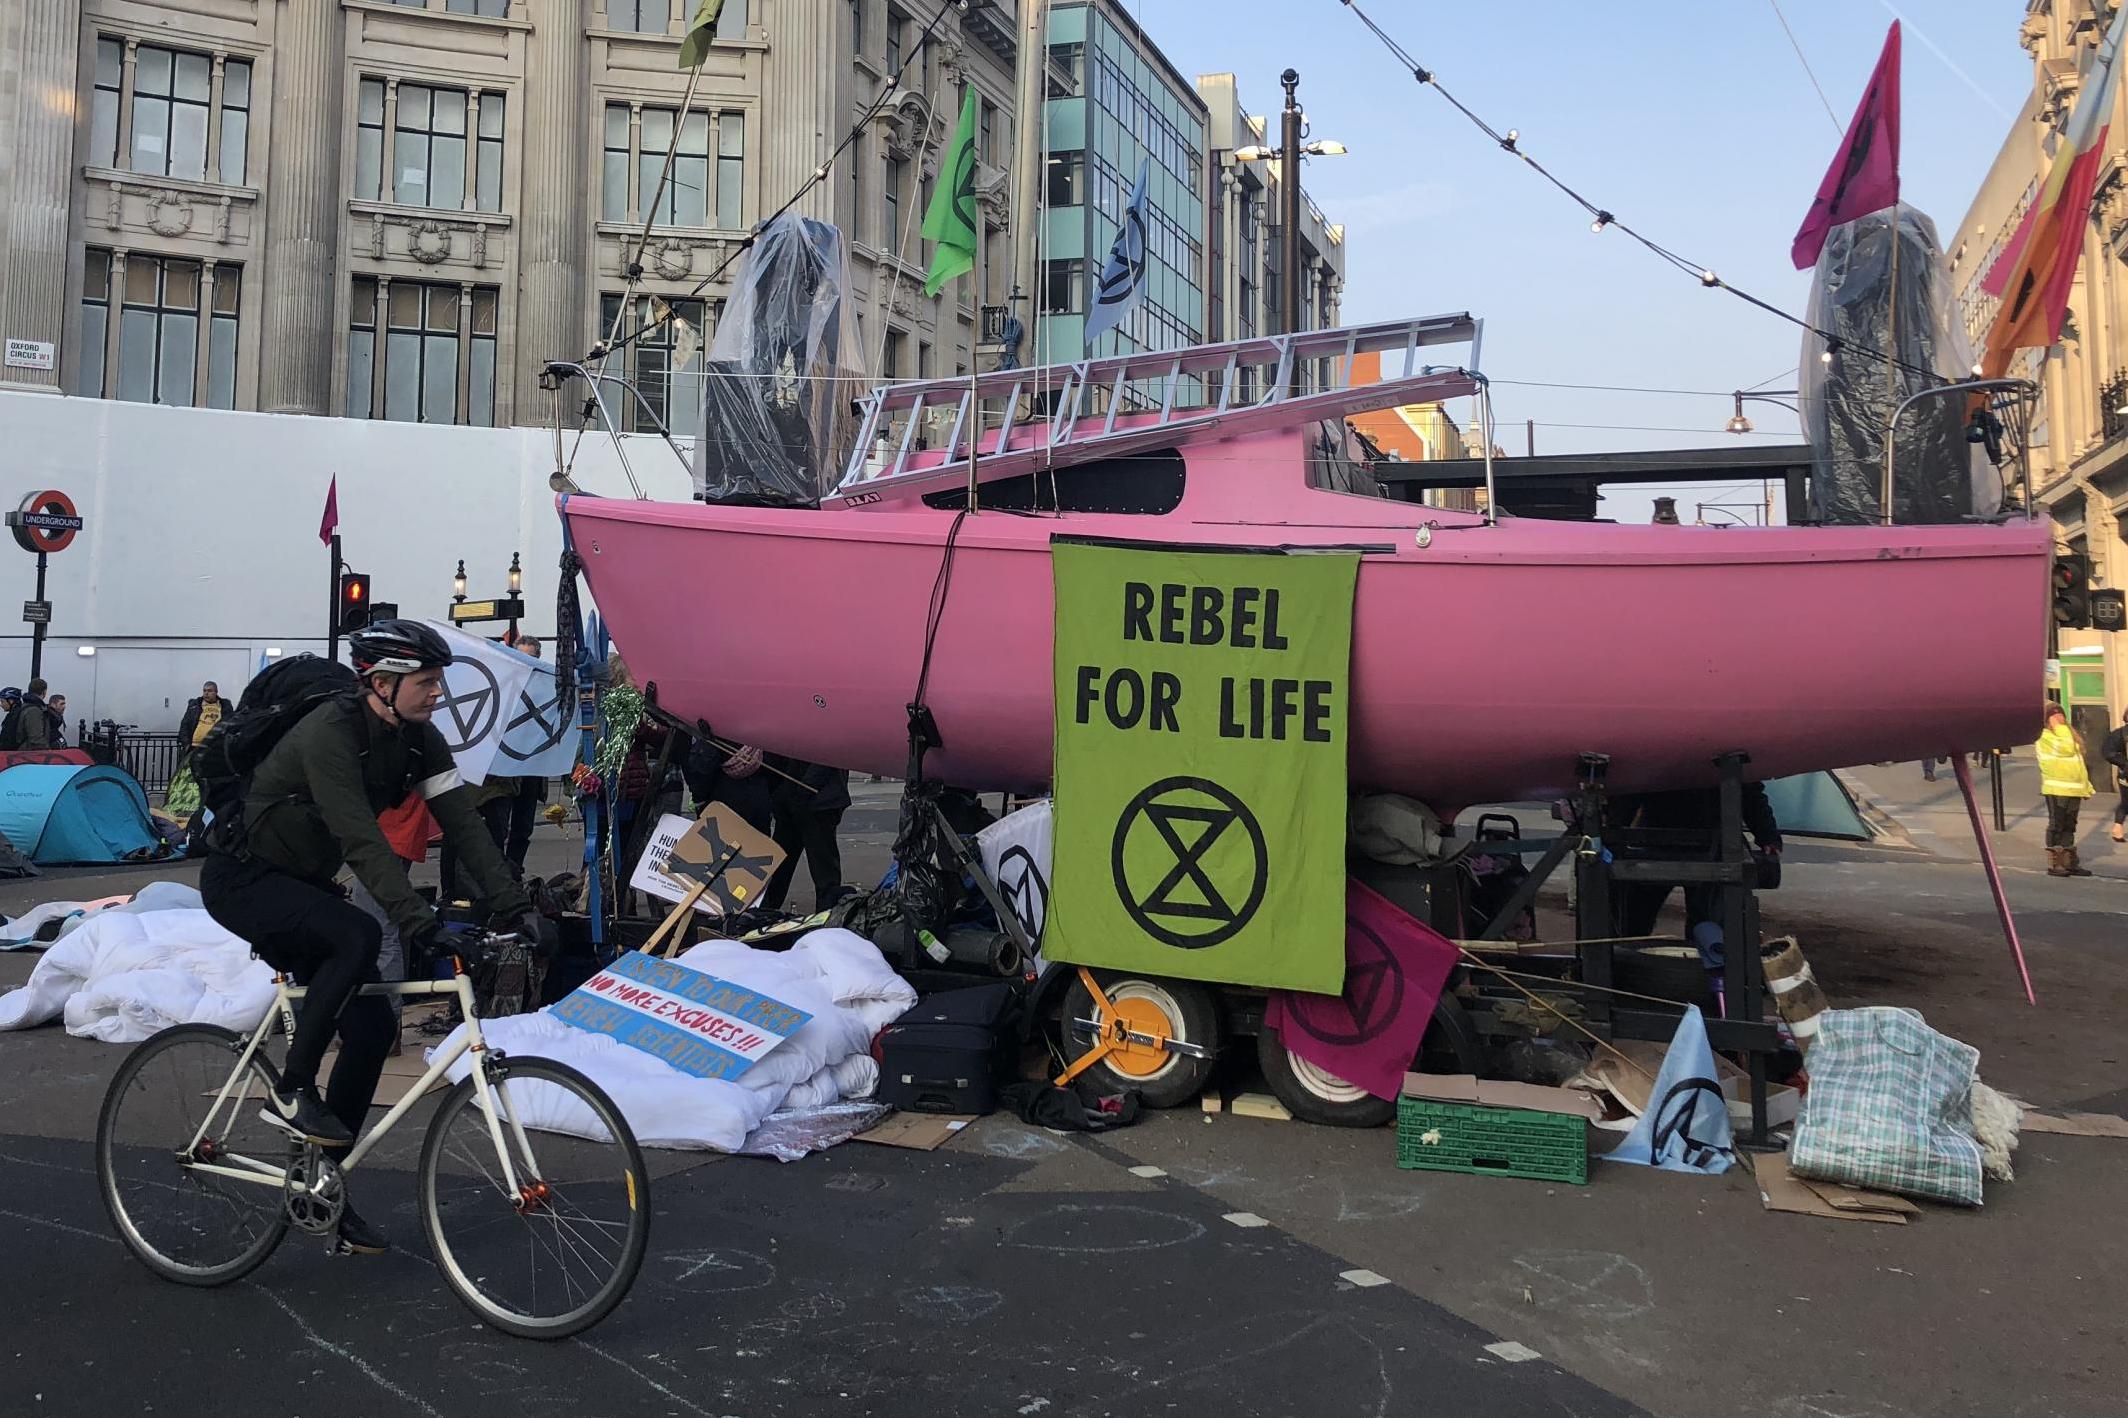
(1394, 969)
(1782, 1190)
(719, 847)
(697, 1023)
(2076, 1124)
(1201, 702)
(918, 1132)
(1629, 1082)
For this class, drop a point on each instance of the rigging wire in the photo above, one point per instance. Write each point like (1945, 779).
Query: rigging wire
(1509, 142)
(1804, 60)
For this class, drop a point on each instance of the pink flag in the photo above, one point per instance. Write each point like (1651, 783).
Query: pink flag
(330, 522)
(1394, 970)
(1864, 176)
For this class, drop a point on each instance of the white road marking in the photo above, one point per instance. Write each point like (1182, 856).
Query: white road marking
(1510, 1352)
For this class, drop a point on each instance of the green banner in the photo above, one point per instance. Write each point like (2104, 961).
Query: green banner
(1200, 769)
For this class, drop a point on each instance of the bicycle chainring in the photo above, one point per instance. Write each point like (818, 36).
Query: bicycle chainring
(315, 1207)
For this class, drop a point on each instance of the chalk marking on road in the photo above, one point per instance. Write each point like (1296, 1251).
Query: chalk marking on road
(59, 1226)
(361, 1365)
(1588, 1281)
(1148, 1172)
(1365, 1279)
(1246, 1220)
(1509, 1352)
(627, 1368)
(1035, 1406)
(1191, 1230)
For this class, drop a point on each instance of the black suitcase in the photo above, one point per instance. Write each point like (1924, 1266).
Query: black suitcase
(949, 1054)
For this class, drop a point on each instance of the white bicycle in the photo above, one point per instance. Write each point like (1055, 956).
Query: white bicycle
(541, 1244)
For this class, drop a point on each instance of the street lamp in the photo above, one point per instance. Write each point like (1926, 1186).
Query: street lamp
(458, 582)
(517, 575)
(1739, 423)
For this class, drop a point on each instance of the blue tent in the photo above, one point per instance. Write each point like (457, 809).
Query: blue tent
(61, 814)
(1816, 805)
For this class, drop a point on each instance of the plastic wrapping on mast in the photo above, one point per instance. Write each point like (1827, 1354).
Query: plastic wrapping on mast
(784, 371)
(1864, 299)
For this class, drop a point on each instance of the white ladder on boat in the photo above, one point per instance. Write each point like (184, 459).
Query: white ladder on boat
(1080, 412)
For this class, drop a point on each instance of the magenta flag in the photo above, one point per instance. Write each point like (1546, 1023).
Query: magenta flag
(330, 522)
(1394, 970)
(1864, 176)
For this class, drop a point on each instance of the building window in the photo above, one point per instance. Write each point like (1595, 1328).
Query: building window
(159, 330)
(925, 365)
(986, 148)
(435, 362)
(857, 27)
(640, 149)
(1067, 179)
(731, 170)
(890, 234)
(492, 9)
(95, 322)
(895, 22)
(434, 134)
(173, 109)
(890, 357)
(1069, 60)
(674, 395)
(1063, 287)
(639, 16)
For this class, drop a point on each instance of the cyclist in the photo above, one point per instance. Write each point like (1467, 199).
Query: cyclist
(311, 807)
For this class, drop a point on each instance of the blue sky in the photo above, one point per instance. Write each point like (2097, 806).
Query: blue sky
(1693, 119)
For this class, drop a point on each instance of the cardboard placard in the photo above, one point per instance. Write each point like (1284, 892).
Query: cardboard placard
(695, 1022)
(1486, 1093)
(718, 851)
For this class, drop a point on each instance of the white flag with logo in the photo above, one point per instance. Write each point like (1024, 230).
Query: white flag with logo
(501, 711)
(1015, 855)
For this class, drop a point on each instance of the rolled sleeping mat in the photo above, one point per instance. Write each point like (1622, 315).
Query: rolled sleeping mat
(1796, 993)
(993, 951)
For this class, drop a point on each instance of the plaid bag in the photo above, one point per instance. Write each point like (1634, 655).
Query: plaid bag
(1889, 1107)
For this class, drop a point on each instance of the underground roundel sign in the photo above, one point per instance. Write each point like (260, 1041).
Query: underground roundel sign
(47, 521)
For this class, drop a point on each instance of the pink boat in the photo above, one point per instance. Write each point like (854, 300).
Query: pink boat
(1487, 656)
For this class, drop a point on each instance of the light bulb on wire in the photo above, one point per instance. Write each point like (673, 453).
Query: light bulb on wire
(1603, 219)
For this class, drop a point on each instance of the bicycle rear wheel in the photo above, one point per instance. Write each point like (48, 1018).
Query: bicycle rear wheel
(185, 1224)
(553, 1257)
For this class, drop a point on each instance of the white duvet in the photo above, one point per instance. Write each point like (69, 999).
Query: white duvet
(837, 976)
(131, 971)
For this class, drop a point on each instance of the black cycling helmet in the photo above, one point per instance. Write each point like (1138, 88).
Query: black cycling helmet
(397, 647)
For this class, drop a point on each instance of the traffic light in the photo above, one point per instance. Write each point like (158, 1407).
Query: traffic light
(354, 601)
(2109, 610)
(2072, 591)
(382, 610)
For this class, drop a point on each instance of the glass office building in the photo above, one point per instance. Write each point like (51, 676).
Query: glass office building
(1114, 102)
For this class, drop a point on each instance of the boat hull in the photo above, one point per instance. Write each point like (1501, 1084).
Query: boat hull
(1483, 663)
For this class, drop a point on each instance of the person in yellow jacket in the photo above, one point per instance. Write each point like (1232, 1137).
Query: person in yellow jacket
(2065, 782)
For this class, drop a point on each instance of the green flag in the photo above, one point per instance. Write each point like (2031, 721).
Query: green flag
(1200, 764)
(700, 31)
(951, 220)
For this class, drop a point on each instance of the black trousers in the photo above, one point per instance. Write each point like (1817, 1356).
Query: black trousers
(328, 944)
(2120, 810)
(813, 834)
(2061, 820)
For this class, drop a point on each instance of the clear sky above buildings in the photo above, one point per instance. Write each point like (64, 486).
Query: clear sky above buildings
(1693, 119)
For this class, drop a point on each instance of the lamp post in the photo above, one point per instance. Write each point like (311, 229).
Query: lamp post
(458, 582)
(1290, 152)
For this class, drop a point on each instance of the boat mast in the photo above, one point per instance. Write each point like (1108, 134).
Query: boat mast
(1027, 165)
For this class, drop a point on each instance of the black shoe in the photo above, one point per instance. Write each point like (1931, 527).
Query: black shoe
(359, 1236)
(303, 1114)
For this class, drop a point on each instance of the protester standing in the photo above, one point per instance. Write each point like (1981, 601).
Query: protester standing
(2065, 782)
(59, 717)
(2114, 749)
(30, 723)
(809, 801)
(201, 715)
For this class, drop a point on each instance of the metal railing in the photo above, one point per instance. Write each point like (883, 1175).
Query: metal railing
(150, 755)
(994, 317)
(2113, 405)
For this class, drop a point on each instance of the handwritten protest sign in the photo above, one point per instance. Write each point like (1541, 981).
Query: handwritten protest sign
(696, 1022)
(719, 847)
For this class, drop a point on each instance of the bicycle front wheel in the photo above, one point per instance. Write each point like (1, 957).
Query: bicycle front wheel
(175, 1111)
(551, 1256)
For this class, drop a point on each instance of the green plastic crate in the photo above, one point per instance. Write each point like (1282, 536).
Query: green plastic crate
(1438, 1136)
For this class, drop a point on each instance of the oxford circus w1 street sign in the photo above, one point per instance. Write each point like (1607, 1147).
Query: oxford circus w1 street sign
(1200, 764)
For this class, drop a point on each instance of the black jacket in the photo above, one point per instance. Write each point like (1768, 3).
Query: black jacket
(314, 802)
(32, 724)
(186, 725)
(826, 789)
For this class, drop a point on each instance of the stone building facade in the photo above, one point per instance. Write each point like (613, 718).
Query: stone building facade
(402, 210)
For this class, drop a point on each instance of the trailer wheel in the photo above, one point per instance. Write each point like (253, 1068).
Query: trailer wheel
(1180, 1009)
(1316, 1095)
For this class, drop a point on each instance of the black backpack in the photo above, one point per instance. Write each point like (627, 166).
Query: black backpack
(272, 704)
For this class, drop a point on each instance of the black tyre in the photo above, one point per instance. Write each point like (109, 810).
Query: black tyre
(192, 1226)
(1181, 1009)
(1316, 1095)
(554, 1257)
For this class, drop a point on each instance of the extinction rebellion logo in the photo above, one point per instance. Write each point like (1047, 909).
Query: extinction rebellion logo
(1169, 877)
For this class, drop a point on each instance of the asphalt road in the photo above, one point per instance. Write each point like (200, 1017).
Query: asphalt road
(1020, 1272)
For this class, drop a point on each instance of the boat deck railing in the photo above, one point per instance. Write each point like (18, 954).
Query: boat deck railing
(1054, 415)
